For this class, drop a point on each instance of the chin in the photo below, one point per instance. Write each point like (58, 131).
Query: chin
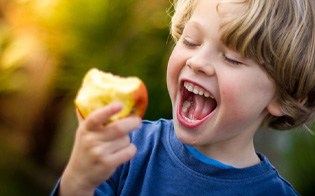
(188, 136)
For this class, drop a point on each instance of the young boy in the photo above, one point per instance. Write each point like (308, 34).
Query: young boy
(236, 65)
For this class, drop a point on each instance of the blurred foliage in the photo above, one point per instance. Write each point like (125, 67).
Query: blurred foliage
(301, 162)
(46, 46)
(123, 37)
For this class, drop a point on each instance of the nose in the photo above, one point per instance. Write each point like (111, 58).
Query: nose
(202, 62)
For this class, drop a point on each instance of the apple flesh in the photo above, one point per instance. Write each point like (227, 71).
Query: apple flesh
(101, 88)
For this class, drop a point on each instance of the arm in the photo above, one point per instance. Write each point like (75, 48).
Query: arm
(98, 150)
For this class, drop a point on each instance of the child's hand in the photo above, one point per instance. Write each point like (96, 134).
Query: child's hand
(98, 150)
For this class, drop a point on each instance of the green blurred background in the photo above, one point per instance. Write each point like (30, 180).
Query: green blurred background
(46, 46)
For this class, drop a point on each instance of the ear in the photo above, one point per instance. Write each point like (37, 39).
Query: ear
(274, 108)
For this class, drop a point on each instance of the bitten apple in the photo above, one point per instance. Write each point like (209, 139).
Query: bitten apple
(101, 88)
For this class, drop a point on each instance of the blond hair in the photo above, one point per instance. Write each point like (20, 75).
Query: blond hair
(280, 36)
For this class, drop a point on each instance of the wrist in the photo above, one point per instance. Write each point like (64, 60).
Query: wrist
(74, 186)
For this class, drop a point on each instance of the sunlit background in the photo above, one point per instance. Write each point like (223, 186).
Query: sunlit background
(46, 46)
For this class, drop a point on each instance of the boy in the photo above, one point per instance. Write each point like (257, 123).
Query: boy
(236, 65)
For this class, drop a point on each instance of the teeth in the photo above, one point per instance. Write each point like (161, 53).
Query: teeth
(197, 90)
(186, 105)
(190, 118)
(206, 94)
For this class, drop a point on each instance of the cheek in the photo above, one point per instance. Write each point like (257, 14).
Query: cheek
(247, 96)
(262, 91)
(233, 103)
(175, 64)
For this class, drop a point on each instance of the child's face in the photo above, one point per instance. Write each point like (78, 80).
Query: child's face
(234, 93)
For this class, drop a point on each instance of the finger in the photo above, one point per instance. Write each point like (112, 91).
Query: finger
(121, 127)
(116, 145)
(107, 149)
(99, 117)
(124, 154)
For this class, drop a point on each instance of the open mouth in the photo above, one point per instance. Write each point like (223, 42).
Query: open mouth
(196, 104)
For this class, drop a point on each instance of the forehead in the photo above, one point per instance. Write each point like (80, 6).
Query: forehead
(230, 7)
(210, 14)
(221, 7)
(205, 13)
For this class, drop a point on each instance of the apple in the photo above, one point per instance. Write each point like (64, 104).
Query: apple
(100, 88)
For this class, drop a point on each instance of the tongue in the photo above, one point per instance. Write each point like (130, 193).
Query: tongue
(201, 107)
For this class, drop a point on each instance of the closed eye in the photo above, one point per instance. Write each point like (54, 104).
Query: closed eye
(232, 61)
(188, 43)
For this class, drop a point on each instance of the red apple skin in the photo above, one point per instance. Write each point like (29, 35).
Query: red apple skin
(140, 96)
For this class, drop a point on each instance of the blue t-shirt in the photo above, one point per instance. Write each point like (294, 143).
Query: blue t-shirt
(203, 158)
(165, 166)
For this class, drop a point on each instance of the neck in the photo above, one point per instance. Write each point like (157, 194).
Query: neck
(235, 154)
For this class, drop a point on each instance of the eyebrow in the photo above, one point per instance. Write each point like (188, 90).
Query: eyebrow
(195, 24)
